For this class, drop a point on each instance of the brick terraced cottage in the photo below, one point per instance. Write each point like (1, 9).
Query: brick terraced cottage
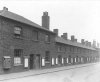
(25, 45)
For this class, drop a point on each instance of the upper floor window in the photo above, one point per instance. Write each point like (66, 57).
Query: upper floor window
(35, 35)
(67, 48)
(59, 48)
(47, 38)
(17, 31)
(71, 49)
(78, 50)
(75, 49)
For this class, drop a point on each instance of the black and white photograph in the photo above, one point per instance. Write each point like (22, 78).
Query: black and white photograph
(49, 41)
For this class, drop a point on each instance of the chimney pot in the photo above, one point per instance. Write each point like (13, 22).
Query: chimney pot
(72, 38)
(64, 36)
(86, 43)
(5, 8)
(56, 31)
(83, 41)
(75, 40)
(45, 20)
(94, 43)
(90, 44)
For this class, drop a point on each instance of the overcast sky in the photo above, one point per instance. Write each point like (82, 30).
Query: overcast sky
(79, 18)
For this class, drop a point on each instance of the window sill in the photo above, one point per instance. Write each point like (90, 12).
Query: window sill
(18, 64)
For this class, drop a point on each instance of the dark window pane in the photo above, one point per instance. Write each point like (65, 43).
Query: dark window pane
(17, 52)
(47, 38)
(47, 56)
(17, 32)
(35, 35)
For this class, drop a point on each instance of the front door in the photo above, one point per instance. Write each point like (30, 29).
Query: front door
(31, 61)
(37, 61)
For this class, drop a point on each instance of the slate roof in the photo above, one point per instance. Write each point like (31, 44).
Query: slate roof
(69, 42)
(16, 17)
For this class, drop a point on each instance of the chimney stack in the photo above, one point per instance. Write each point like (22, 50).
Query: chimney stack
(86, 43)
(64, 36)
(83, 41)
(90, 44)
(94, 43)
(75, 40)
(72, 38)
(5, 8)
(45, 20)
(55, 31)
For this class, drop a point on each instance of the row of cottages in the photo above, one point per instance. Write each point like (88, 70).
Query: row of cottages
(25, 45)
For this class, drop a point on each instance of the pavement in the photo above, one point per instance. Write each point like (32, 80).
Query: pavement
(33, 72)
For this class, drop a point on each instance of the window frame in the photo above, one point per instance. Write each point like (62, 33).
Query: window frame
(18, 57)
(17, 31)
(47, 56)
(47, 37)
(35, 35)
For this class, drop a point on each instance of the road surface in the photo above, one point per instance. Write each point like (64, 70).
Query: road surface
(89, 73)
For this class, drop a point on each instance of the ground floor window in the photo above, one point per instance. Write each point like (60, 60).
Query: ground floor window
(75, 59)
(71, 60)
(78, 59)
(81, 59)
(17, 56)
(62, 60)
(17, 60)
(26, 62)
(67, 60)
(53, 61)
(43, 61)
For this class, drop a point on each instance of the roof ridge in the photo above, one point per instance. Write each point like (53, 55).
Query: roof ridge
(69, 42)
(22, 19)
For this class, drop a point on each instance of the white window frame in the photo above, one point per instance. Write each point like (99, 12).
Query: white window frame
(17, 61)
(62, 60)
(81, 59)
(56, 60)
(17, 30)
(67, 60)
(71, 60)
(43, 61)
(53, 63)
(26, 62)
(75, 59)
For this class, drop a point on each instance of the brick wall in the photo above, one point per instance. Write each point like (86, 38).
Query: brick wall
(29, 46)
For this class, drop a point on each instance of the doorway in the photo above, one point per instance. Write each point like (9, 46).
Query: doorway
(37, 61)
(31, 61)
(34, 61)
